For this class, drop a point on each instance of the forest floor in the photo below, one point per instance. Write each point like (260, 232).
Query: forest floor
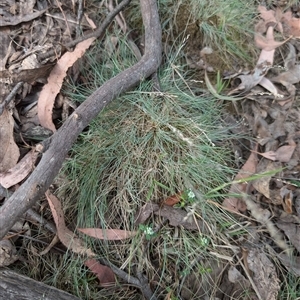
(187, 185)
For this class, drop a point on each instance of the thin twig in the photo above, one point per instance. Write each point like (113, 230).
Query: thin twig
(99, 33)
(11, 96)
(65, 18)
(140, 282)
(79, 17)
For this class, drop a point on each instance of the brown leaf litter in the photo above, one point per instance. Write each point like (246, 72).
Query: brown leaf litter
(271, 108)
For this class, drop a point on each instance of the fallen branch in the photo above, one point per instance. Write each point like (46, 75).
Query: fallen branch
(57, 146)
(16, 286)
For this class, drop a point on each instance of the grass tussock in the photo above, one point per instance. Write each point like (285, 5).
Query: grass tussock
(146, 146)
(226, 27)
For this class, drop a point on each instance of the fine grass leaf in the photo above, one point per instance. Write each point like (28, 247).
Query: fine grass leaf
(215, 93)
(19, 171)
(55, 80)
(108, 234)
(9, 151)
(104, 274)
(66, 236)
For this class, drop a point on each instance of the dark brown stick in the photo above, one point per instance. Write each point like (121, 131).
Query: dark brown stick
(140, 282)
(61, 141)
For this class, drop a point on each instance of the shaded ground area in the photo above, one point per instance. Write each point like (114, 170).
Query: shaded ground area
(187, 186)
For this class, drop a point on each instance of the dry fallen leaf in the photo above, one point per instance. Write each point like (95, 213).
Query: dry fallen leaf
(90, 21)
(291, 230)
(107, 234)
(267, 42)
(249, 168)
(66, 236)
(240, 282)
(291, 263)
(262, 184)
(282, 154)
(265, 61)
(9, 151)
(264, 274)
(175, 216)
(267, 15)
(8, 253)
(287, 197)
(292, 76)
(75, 244)
(269, 86)
(15, 20)
(20, 171)
(179, 217)
(55, 81)
(145, 212)
(172, 200)
(104, 274)
(292, 24)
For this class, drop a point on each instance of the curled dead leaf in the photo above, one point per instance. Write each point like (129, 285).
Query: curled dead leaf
(287, 197)
(55, 81)
(104, 274)
(174, 199)
(20, 171)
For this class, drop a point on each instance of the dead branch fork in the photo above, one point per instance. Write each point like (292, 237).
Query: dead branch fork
(56, 147)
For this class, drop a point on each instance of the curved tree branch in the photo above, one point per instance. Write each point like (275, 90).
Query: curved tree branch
(62, 140)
